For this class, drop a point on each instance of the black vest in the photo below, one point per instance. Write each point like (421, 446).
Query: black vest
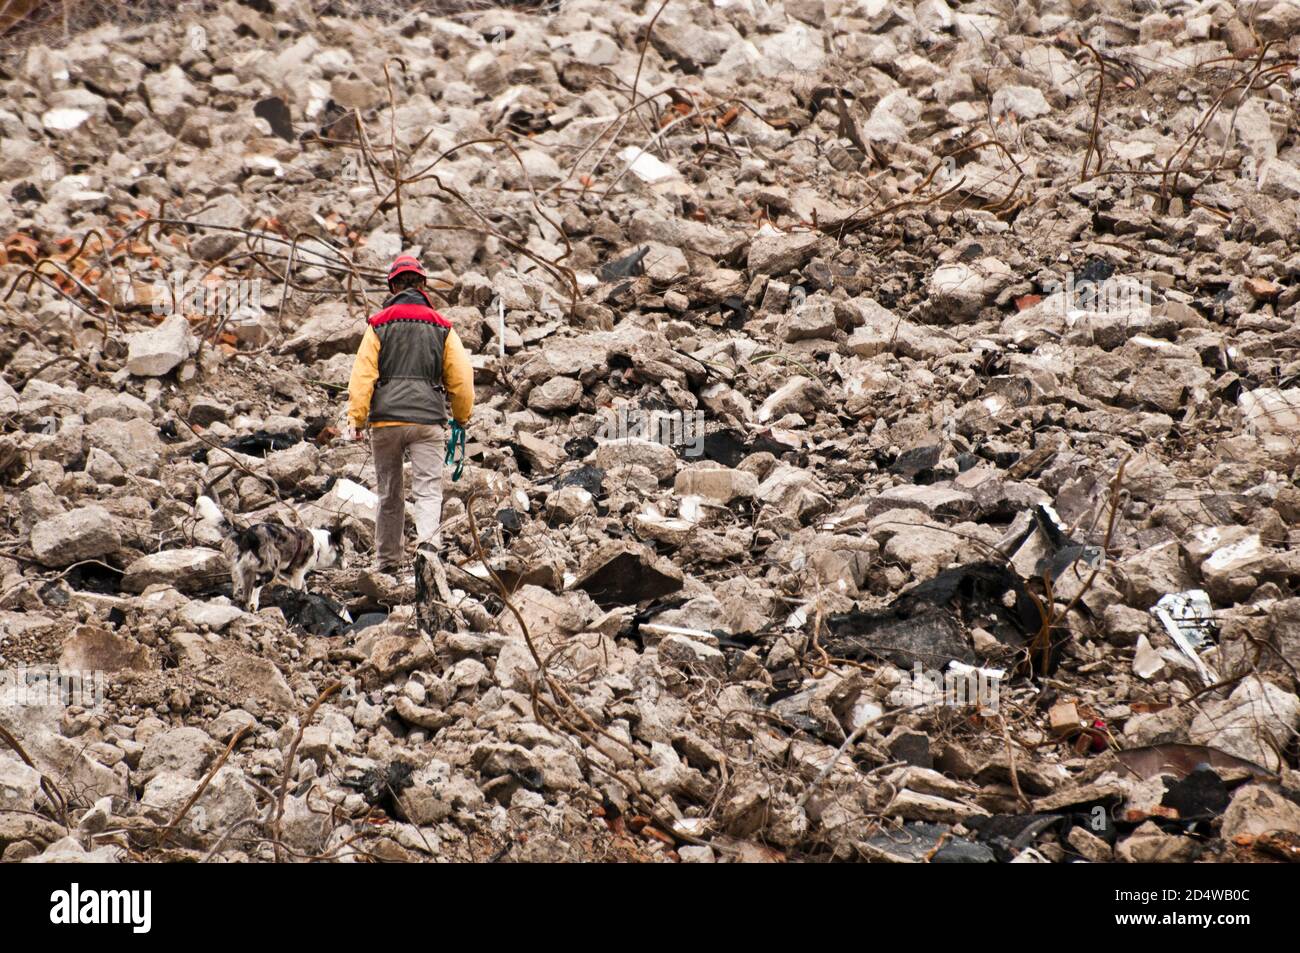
(411, 338)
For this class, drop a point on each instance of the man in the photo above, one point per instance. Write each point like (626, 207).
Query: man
(409, 364)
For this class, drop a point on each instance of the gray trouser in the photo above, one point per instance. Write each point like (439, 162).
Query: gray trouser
(426, 444)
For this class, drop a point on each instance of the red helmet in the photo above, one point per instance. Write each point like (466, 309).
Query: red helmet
(404, 263)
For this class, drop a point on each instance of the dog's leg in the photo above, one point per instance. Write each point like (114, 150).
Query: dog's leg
(256, 600)
(239, 582)
(298, 580)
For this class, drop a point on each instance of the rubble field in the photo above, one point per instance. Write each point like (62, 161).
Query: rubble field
(886, 441)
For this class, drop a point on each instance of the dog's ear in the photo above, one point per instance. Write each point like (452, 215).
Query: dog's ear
(336, 537)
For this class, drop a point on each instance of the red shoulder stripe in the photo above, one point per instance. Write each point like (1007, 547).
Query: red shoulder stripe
(408, 312)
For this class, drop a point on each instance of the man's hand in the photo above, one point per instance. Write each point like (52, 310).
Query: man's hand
(348, 432)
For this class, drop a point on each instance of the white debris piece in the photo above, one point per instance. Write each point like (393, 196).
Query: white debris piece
(647, 167)
(1187, 617)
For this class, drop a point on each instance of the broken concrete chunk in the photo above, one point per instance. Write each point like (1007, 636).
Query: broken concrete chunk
(656, 457)
(159, 351)
(779, 253)
(719, 484)
(89, 532)
(188, 570)
(92, 649)
(1250, 723)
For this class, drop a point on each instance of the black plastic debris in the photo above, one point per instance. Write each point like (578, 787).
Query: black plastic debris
(56, 592)
(963, 852)
(1098, 823)
(510, 521)
(24, 193)
(274, 110)
(315, 425)
(725, 446)
(309, 611)
(1199, 796)
(380, 787)
(1040, 547)
(1094, 272)
(579, 447)
(629, 266)
(94, 577)
(729, 446)
(928, 623)
(734, 311)
(529, 777)
(1009, 834)
(913, 843)
(261, 442)
(916, 464)
(591, 479)
(527, 121)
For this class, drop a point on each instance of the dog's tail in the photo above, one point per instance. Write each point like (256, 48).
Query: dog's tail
(209, 512)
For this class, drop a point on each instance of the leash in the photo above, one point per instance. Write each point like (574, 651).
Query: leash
(456, 450)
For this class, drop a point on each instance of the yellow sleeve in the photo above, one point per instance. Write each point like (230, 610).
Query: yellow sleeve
(458, 377)
(361, 386)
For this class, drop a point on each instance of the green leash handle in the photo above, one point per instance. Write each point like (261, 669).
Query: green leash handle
(456, 450)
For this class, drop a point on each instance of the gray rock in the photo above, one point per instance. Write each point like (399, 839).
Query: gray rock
(157, 352)
(559, 393)
(93, 649)
(89, 532)
(782, 253)
(658, 458)
(1252, 722)
(19, 785)
(1025, 102)
(182, 752)
(188, 570)
(719, 484)
(1256, 809)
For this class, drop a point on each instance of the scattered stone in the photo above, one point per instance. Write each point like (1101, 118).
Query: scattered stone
(159, 351)
(187, 570)
(89, 532)
(897, 383)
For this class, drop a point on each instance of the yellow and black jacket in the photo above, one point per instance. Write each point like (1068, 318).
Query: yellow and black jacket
(410, 361)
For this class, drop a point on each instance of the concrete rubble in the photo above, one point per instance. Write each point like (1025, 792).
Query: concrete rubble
(846, 410)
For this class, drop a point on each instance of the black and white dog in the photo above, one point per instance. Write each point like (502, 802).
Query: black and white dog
(264, 552)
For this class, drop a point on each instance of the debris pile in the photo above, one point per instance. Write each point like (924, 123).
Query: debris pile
(887, 438)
